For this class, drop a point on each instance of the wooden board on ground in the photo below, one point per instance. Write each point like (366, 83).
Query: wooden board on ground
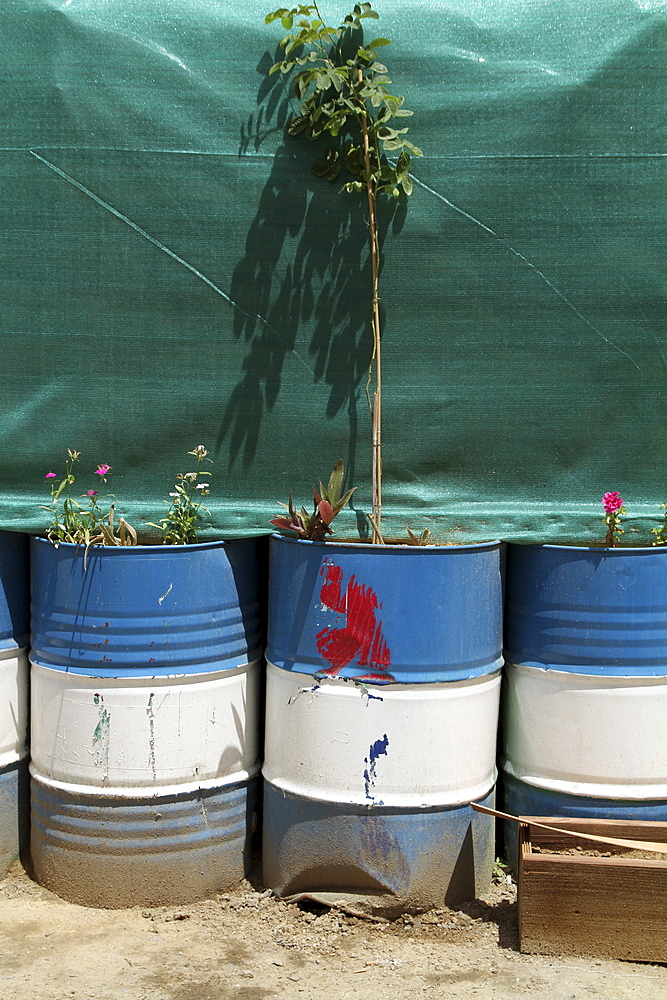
(607, 903)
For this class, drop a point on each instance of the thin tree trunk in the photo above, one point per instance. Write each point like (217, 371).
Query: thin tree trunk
(376, 409)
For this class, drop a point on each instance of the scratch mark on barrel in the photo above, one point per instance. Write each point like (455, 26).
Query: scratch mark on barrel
(151, 740)
(101, 737)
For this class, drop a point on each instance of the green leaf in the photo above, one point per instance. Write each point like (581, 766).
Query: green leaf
(378, 42)
(300, 86)
(415, 150)
(287, 22)
(275, 15)
(320, 169)
(297, 124)
(406, 184)
(336, 482)
(343, 500)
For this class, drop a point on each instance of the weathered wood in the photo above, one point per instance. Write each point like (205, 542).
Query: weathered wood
(611, 907)
(598, 837)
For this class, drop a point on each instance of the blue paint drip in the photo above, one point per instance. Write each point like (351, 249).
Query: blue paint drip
(377, 749)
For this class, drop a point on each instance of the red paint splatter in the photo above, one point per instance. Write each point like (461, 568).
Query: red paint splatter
(361, 634)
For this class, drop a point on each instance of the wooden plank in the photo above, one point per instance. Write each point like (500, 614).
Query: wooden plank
(539, 821)
(605, 907)
(645, 831)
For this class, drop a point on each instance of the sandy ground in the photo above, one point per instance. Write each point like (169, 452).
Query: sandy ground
(247, 945)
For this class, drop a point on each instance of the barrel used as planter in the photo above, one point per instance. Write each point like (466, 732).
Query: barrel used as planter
(586, 683)
(383, 681)
(145, 700)
(14, 626)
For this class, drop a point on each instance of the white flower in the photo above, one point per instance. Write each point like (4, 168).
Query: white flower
(203, 486)
(173, 494)
(190, 475)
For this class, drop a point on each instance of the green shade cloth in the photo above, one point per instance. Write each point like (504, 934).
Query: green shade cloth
(173, 274)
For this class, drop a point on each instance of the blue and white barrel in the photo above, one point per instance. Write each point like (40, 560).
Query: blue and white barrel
(145, 702)
(383, 682)
(586, 693)
(14, 627)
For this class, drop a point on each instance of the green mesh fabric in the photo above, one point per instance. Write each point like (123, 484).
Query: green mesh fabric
(174, 275)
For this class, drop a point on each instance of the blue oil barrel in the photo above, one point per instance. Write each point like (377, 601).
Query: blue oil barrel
(145, 710)
(14, 627)
(382, 699)
(587, 610)
(586, 683)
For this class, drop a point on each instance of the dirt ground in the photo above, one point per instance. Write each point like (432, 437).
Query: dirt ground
(247, 945)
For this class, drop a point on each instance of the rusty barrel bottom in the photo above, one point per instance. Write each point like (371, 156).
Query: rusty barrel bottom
(523, 799)
(376, 860)
(14, 811)
(155, 851)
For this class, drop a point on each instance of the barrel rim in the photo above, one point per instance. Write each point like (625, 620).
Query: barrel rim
(147, 793)
(620, 550)
(119, 550)
(390, 547)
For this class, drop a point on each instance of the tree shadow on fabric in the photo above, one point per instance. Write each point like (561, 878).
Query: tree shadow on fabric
(302, 289)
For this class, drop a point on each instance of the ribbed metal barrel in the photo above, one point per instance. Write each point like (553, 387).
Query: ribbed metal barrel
(586, 683)
(14, 627)
(396, 613)
(587, 610)
(145, 702)
(382, 706)
(149, 610)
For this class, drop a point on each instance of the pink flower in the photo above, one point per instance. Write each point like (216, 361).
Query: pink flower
(50, 475)
(102, 470)
(612, 502)
(91, 493)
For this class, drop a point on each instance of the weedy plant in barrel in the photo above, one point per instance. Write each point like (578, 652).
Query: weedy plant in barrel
(343, 89)
(80, 519)
(85, 519)
(145, 686)
(614, 509)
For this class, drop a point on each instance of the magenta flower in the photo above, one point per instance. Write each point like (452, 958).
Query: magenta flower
(102, 470)
(91, 493)
(50, 475)
(612, 502)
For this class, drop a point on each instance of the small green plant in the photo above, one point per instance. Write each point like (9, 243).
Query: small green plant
(500, 871)
(179, 525)
(327, 504)
(80, 519)
(343, 92)
(613, 511)
(661, 532)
